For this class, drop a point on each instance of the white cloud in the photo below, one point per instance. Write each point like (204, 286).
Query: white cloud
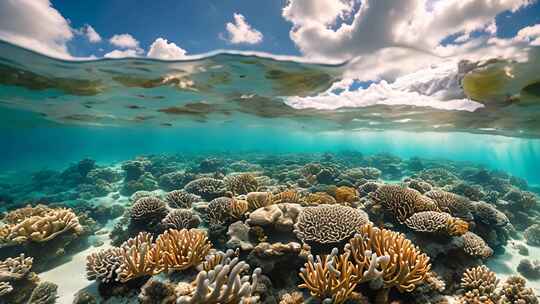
(36, 25)
(122, 53)
(125, 41)
(162, 49)
(377, 24)
(529, 34)
(241, 32)
(91, 34)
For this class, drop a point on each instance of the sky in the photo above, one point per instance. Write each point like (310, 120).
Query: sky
(371, 34)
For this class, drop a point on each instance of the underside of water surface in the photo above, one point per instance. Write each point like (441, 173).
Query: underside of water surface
(240, 178)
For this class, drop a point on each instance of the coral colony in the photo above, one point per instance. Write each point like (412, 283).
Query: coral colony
(256, 228)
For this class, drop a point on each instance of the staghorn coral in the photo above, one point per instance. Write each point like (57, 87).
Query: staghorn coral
(332, 277)
(178, 250)
(181, 219)
(18, 215)
(134, 261)
(5, 288)
(513, 291)
(295, 297)
(102, 265)
(456, 205)
(402, 202)
(216, 257)
(206, 187)
(241, 183)
(328, 223)
(15, 268)
(346, 195)
(432, 221)
(318, 198)
(482, 280)
(44, 293)
(475, 246)
(147, 209)
(406, 266)
(258, 200)
(219, 210)
(181, 199)
(42, 228)
(223, 284)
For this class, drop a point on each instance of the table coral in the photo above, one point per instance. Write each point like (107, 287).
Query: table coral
(433, 221)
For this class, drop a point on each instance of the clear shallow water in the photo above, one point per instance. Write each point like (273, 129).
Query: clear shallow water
(217, 115)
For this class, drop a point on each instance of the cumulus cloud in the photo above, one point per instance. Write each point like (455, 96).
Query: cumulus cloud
(36, 25)
(91, 34)
(125, 41)
(241, 32)
(122, 53)
(530, 34)
(162, 49)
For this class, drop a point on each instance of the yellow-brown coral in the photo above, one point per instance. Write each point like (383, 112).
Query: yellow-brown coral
(406, 266)
(18, 215)
(288, 196)
(346, 195)
(42, 228)
(433, 221)
(241, 183)
(238, 208)
(402, 202)
(257, 200)
(318, 198)
(178, 249)
(135, 261)
(475, 245)
(295, 297)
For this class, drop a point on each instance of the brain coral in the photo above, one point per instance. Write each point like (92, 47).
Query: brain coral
(180, 219)
(488, 214)
(328, 223)
(181, 199)
(206, 187)
(102, 265)
(475, 245)
(402, 202)
(148, 208)
(219, 210)
(405, 266)
(454, 204)
(433, 221)
(241, 183)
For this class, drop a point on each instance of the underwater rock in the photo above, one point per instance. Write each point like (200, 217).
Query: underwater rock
(157, 292)
(532, 235)
(206, 187)
(134, 169)
(529, 269)
(210, 165)
(239, 236)
(280, 217)
(84, 297)
(145, 182)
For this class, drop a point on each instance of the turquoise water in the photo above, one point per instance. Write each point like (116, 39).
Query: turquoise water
(99, 137)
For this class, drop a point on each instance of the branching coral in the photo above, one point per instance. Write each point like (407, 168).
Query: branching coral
(328, 223)
(241, 183)
(330, 277)
(181, 219)
(481, 281)
(18, 215)
(402, 202)
(432, 221)
(456, 205)
(475, 246)
(346, 195)
(44, 293)
(102, 265)
(148, 208)
(513, 291)
(181, 199)
(12, 269)
(295, 297)
(178, 250)
(206, 187)
(134, 261)
(223, 284)
(405, 267)
(42, 228)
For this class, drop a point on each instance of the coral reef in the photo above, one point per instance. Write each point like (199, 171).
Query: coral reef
(181, 219)
(514, 291)
(318, 225)
(181, 199)
(432, 221)
(241, 183)
(475, 245)
(206, 187)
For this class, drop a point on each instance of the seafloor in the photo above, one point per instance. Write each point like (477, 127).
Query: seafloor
(259, 228)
